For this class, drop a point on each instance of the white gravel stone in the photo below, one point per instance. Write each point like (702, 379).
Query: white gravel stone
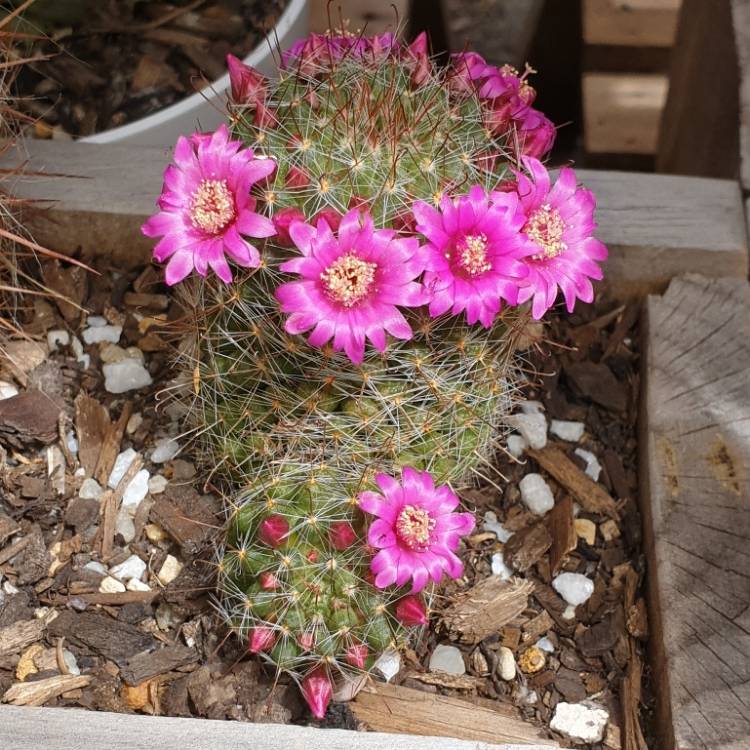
(135, 585)
(157, 484)
(580, 722)
(128, 375)
(164, 450)
(96, 321)
(122, 464)
(111, 585)
(124, 525)
(531, 407)
(572, 432)
(72, 441)
(58, 337)
(388, 664)
(494, 526)
(533, 428)
(536, 494)
(96, 567)
(499, 568)
(575, 589)
(506, 666)
(516, 445)
(112, 353)
(169, 570)
(135, 421)
(81, 357)
(593, 467)
(133, 567)
(90, 489)
(447, 659)
(10, 589)
(136, 490)
(7, 390)
(71, 663)
(545, 644)
(98, 334)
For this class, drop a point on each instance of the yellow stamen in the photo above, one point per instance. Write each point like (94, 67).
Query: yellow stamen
(546, 227)
(348, 279)
(212, 206)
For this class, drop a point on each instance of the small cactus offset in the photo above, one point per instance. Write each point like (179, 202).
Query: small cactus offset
(387, 221)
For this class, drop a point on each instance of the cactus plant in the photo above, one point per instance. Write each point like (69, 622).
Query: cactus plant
(399, 242)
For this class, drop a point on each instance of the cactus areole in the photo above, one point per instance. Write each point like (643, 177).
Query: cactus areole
(365, 236)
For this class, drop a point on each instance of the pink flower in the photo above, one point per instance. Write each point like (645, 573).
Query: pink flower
(351, 285)
(247, 84)
(474, 253)
(416, 531)
(411, 611)
(466, 69)
(261, 639)
(316, 51)
(341, 535)
(206, 207)
(317, 690)
(332, 217)
(417, 60)
(273, 530)
(282, 220)
(535, 134)
(560, 224)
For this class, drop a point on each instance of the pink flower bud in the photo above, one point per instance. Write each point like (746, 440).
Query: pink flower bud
(248, 85)
(411, 611)
(264, 117)
(268, 581)
(536, 135)
(358, 201)
(332, 217)
(419, 60)
(356, 655)
(405, 222)
(317, 690)
(297, 177)
(261, 639)
(306, 640)
(284, 219)
(273, 530)
(341, 535)
(312, 556)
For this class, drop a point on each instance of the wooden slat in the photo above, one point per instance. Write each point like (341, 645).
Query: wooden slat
(695, 493)
(741, 24)
(372, 17)
(622, 111)
(632, 23)
(74, 729)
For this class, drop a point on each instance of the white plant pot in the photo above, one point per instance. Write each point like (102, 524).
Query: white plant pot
(206, 109)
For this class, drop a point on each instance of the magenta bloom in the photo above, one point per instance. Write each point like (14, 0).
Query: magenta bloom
(560, 224)
(321, 50)
(352, 284)
(416, 531)
(205, 207)
(317, 690)
(474, 253)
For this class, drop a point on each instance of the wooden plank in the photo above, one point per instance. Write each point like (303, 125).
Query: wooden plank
(372, 17)
(695, 494)
(631, 23)
(741, 25)
(75, 729)
(622, 111)
(403, 710)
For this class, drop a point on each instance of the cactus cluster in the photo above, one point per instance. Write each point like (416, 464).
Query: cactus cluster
(300, 432)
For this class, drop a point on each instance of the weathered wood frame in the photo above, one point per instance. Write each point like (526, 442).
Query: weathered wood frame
(657, 227)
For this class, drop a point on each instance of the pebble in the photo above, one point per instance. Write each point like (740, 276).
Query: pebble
(10, 589)
(135, 585)
(58, 337)
(532, 660)
(157, 484)
(516, 445)
(72, 442)
(7, 390)
(575, 589)
(536, 494)
(112, 353)
(136, 490)
(546, 645)
(494, 526)
(580, 722)
(164, 616)
(586, 529)
(135, 421)
(111, 585)
(128, 375)
(98, 334)
(447, 659)
(572, 432)
(533, 428)
(169, 570)
(96, 321)
(133, 567)
(122, 464)
(90, 489)
(155, 533)
(593, 467)
(388, 664)
(165, 450)
(124, 526)
(96, 567)
(81, 357)
(531, 407)
(506, 665)
(499, 568)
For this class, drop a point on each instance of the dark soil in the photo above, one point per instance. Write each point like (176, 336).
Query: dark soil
(115, 61)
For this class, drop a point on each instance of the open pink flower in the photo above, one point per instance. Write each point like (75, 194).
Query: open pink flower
(416, 531)
(474, 253)
(352, 284)
(560, 224)
(206, 207)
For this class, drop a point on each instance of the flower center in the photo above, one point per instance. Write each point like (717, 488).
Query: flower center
(414, 527)
(348, 279)
(212, 206)
(546, 227)
(472, 254)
